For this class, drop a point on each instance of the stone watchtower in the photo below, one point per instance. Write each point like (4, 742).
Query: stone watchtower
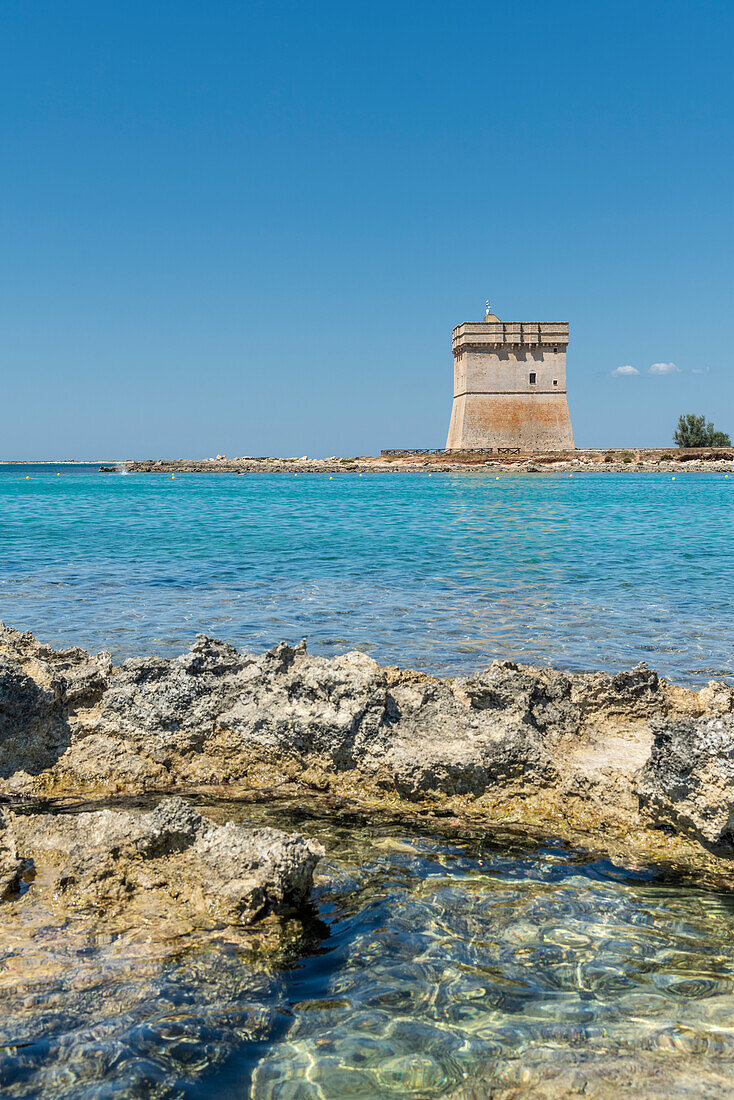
(510, 386)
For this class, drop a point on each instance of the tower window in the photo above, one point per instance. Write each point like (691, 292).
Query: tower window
(555, 351)
(555, 381)
(532, 376)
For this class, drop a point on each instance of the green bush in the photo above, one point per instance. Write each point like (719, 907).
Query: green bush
(626, 458)
(694, 431)
(608, 458)
(665, 458)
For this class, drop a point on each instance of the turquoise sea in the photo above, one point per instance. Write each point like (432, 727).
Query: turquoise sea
(442, 573)
(430, 964)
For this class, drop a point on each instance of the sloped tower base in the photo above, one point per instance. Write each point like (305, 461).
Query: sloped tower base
(532, 422)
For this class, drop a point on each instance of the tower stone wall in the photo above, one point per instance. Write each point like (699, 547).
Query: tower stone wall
(510, 386)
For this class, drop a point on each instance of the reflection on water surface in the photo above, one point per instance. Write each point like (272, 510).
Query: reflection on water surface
(429, 966)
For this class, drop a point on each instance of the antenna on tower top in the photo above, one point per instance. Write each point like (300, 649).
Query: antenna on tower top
(486, 306)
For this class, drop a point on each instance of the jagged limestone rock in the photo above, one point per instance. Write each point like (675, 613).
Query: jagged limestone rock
(638, 690)
(574, 742)
(39, 688)
(688, 782)
(105, 858)
(717, 696)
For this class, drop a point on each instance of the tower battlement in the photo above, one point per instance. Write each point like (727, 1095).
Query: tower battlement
(509, 334)
(510, 385)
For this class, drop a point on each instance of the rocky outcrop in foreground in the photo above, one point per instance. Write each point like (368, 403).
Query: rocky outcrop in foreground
(108, 858)
(627, 759)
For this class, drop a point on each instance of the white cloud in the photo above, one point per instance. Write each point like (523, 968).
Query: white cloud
(664, 368)
(623, 372)
(700, 370)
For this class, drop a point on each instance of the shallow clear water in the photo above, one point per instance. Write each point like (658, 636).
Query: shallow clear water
(429, 966)
(443, 572)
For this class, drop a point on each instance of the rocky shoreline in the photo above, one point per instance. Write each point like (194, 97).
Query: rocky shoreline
(627, 764)
(143, 923)
(609, 462)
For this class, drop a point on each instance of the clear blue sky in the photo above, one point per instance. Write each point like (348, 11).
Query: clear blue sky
(250, 227)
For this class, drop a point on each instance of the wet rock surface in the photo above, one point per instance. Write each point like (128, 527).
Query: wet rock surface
(11, 866)
(582, 750)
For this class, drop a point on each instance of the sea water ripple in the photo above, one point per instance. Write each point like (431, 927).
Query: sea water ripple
(443, 573)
